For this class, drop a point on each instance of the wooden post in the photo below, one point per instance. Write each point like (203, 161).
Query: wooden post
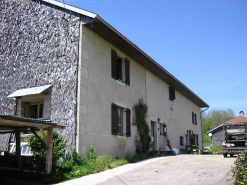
(18, 149)
(49, 144)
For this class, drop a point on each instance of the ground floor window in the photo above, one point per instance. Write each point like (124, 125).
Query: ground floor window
(121, 121)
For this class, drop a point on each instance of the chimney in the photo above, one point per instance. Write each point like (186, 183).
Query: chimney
(241, 113)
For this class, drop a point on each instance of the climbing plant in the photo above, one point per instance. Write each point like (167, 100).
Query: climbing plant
(139, 120)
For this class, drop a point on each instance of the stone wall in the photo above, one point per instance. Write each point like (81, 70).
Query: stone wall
(218, 138)
(39, 46)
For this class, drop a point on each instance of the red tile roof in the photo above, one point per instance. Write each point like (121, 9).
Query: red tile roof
(239, 119)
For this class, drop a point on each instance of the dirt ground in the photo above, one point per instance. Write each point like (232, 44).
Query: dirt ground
(172, 170)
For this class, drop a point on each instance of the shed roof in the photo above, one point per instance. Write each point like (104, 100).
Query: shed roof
(9, 123)
(113, 36)
(29, 91)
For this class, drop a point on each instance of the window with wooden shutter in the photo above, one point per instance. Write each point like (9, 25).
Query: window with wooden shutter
(119, 69)
(171, 93)
(181, 140)
(114, 64)
(127, 71)
(192, 117)
(128, 125)
(195, 119)
(114, 121)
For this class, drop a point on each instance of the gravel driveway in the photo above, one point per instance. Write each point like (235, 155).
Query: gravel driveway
(180, 169)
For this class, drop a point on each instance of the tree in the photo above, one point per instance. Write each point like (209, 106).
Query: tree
(215, 118)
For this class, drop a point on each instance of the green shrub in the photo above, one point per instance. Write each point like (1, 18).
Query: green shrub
(92, 153)
(240, 170)
(77, 158)
(40, 151)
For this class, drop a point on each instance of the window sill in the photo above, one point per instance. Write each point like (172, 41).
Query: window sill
(120, 83)
(121, 136)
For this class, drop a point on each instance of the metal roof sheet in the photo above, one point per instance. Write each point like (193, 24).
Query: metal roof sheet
(29, 91)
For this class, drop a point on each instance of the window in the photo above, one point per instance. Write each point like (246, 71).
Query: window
(163, 129)
(171, 93)
(120, 68)
(196, 139)
(25, 149)
(181, 140)
(120, 121)
(32, 110)
(194, 118)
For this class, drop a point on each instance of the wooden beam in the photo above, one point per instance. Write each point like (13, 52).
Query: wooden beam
(9, 122)
(49, 150)
(18, 149)
(42, 141)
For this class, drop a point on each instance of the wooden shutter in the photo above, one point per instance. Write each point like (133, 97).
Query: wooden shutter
(127, 71)
(114, 120)
(171, 93)
(119, 69)
(114, 64)
(26, 110)
(195, 119)
(128, 125)
(192, 117)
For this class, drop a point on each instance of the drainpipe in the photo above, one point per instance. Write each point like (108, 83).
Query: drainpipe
(202, 126)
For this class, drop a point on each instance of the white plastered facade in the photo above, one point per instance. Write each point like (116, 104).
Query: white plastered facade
(97, 90)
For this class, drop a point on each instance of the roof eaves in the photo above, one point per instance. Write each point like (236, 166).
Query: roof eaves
(214, 129)
(72, 8)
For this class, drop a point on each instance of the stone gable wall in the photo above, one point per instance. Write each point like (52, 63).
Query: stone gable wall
(218, 138)
(39, 46)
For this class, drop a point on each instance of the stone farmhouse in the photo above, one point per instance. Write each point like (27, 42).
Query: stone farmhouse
(68, 65)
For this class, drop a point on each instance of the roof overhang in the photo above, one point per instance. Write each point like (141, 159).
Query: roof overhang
(11, 123)
(29, 91)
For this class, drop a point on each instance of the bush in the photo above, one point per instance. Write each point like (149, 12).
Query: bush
(240, 170)
(40, 151)
(92, 153)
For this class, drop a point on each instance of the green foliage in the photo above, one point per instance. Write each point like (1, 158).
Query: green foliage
(119, 162)
(240, 170)
(206, 139)
(216, 149)
(142, 127)
(216, 117)
(92, 153)
(40, 151)
(77, 158)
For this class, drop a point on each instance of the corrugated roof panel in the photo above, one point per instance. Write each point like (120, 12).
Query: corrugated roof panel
(29, 91)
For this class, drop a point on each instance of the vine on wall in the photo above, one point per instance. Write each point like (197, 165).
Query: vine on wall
(139, 120)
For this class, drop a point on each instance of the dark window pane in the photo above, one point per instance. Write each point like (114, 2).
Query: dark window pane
(33, 111)
(41, 110)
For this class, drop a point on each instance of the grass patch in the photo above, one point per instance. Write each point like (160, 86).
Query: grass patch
(216, 149)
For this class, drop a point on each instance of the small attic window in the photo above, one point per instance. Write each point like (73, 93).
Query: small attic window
(171, 93)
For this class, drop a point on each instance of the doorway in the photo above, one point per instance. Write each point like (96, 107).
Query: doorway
(153, 136)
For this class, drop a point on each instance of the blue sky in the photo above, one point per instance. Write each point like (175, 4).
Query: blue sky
(203, 43)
